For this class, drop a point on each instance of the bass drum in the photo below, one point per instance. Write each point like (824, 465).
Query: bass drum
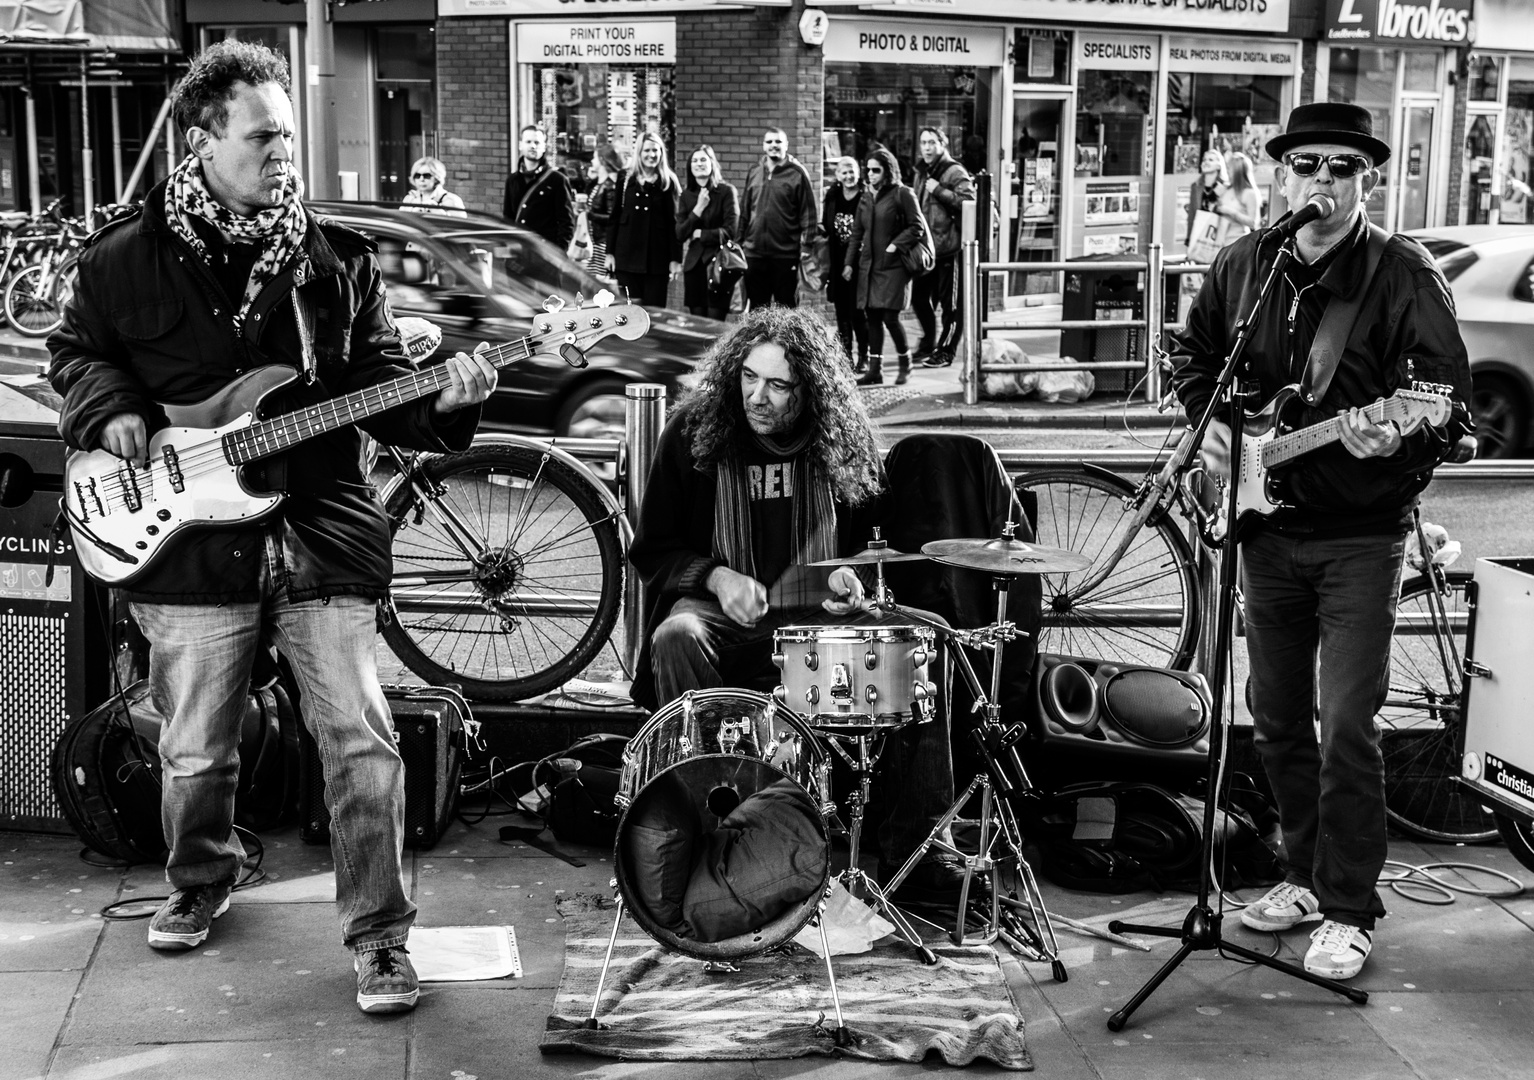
(700, 757)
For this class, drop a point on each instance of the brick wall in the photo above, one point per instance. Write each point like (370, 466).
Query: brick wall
(474, 98)
(1452, 214)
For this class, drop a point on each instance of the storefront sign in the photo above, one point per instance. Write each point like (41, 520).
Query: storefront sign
(598, 41)
(1425, 22)
(1240, 15)
(1117, 52)
(568, 8)
(891, 41)
(1229, 54)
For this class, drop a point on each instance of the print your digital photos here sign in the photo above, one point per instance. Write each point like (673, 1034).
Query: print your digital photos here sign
(1425, 22)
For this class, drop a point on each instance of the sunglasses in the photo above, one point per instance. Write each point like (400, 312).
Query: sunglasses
(1341, 166)
(423, 176)
(875, 168)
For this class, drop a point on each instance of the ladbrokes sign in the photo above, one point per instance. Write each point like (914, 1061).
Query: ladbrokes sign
(1429, 22)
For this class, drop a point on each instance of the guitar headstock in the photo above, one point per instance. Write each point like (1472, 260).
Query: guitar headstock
(583, 327)
(1410, 409)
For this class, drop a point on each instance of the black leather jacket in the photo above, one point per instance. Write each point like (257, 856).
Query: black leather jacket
(1405, 336)
(149, 323)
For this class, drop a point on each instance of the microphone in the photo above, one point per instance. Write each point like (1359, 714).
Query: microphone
(1318, 206)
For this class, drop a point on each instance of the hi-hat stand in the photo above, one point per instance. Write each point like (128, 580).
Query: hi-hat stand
(1200, 929)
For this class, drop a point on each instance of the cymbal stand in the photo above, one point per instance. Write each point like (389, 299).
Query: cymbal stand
(1001, 839)
(854, 879)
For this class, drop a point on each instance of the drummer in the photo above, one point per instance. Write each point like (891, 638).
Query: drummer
(769, 464)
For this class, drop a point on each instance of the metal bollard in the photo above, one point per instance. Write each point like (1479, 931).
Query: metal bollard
(1155, 318)
(644, 414)
(971, 289)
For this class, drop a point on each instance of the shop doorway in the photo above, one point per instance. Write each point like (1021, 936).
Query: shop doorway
(1034, 223)
(1478, 188)
(1414, 167)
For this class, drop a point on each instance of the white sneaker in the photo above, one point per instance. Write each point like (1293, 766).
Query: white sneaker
(1337, 950)
(1284, 907)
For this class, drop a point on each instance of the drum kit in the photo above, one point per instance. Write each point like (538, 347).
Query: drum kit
(844, 687)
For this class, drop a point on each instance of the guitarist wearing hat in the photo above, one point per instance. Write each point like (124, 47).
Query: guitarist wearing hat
(224, 272)
(1320, 566)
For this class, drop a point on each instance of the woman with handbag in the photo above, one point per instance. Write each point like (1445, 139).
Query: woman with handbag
(837, 218)
(707, 217)
(889, 229)
(642, 248)
(608, 166)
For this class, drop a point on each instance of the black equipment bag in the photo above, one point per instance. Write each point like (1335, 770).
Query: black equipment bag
(431, 726)
(1120, 837)
(582, 781)
(105, 771)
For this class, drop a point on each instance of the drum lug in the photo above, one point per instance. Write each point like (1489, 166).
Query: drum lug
(812, 695)
(812, 660)
(871, 694)
(777, 660)
(870, 659)
(780, 694)
(919, 658)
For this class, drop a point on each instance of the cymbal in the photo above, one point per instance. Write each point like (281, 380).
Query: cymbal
(1006, 556)
(869, 556)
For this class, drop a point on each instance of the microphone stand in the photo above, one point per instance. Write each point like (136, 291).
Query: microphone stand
(1200, 929)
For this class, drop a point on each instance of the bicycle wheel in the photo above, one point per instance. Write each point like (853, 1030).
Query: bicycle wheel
(1146, 611)
(34, 302)
(1419, 722)
(533, 599)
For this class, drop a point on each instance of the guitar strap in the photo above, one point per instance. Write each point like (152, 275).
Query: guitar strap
(301, 318)
(1337, 324)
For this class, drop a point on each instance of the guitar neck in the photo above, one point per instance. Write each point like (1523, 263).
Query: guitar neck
(1293, 445)
(273, 436)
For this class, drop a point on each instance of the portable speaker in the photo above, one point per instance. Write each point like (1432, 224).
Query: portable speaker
(429, 727)
(1144, 712)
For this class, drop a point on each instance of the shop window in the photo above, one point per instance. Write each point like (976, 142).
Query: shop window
(1112, 110)
(586, 105)
(1485, 77)
(1421, 70)
(886, 104)
(1367, 77)
(1041, 56)
(406, 106)
(1476, 188)
(1518, 144)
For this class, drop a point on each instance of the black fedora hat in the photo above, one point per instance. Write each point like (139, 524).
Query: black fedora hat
(1330, 122)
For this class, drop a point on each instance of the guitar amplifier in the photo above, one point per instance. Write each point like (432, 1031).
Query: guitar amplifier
(1497, 752)
(1139, 713)
(431, 724)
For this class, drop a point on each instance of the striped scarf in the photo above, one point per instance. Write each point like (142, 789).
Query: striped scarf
(814, 516)
(280, 230)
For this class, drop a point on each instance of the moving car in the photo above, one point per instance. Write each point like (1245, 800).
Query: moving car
(1491, 273)
(480, 279)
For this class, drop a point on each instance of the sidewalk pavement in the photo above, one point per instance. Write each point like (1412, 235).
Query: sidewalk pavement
(271, 994)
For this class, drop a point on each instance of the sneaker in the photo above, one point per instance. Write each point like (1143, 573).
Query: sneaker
(923, 350)
(184, 919)
(1337, 950)
(938, 359)
(1283, 908)
(386, 980)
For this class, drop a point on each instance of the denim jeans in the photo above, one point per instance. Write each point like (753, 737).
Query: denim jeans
(199, 671)
(698, 647)
(1319, 618)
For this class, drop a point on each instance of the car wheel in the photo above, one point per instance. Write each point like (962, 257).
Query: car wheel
(593, 411)
(1501, 416)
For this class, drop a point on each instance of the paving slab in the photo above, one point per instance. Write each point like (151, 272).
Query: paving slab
(49, 903)
(33, 1006)
(1458, 1036)
(379, 1055)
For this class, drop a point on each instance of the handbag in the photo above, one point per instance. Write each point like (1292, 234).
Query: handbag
(1207, 236)
(919, 258)
(727, 262)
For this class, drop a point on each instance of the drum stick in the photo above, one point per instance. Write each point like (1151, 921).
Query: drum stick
(1106, 935)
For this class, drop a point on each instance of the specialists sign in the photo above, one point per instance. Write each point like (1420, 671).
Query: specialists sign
(1421, 22)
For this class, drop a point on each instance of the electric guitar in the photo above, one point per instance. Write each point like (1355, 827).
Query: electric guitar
(122, 513)
(1265, 445)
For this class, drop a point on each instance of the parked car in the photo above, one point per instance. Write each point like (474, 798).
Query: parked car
(1491, 273)
(480, 279)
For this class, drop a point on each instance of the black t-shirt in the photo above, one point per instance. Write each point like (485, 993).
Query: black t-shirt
(770, 492)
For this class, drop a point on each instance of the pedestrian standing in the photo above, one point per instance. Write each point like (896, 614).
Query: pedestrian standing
(608, 165)
(709, 214)
(943, 186)
(838, 217)
(538, 196)
(889, 222)
(777, 219)
(642, 249)
(428, 189)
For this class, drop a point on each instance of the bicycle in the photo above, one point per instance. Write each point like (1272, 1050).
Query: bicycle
(508, 566)
(36, 295)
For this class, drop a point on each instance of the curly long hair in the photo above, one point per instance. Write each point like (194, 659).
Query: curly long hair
(843, 444)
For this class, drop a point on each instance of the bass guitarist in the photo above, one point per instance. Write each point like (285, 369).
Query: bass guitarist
(225, 270)
(1320, 578)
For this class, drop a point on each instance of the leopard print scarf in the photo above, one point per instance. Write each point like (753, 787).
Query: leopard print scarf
(280, 230)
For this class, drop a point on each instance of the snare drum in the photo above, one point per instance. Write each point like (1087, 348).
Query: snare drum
(856, 678)
(714, 749)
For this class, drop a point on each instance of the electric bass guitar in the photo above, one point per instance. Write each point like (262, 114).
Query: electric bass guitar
(122, 513)
(1266, 445)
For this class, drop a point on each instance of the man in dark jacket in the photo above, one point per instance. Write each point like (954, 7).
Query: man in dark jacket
(538, 196)
(769, 466)
(1320, 579)
(778, 216)
(942, 186)
(225, 271)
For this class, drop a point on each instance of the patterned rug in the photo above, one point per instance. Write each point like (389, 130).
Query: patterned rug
(661, 1006)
